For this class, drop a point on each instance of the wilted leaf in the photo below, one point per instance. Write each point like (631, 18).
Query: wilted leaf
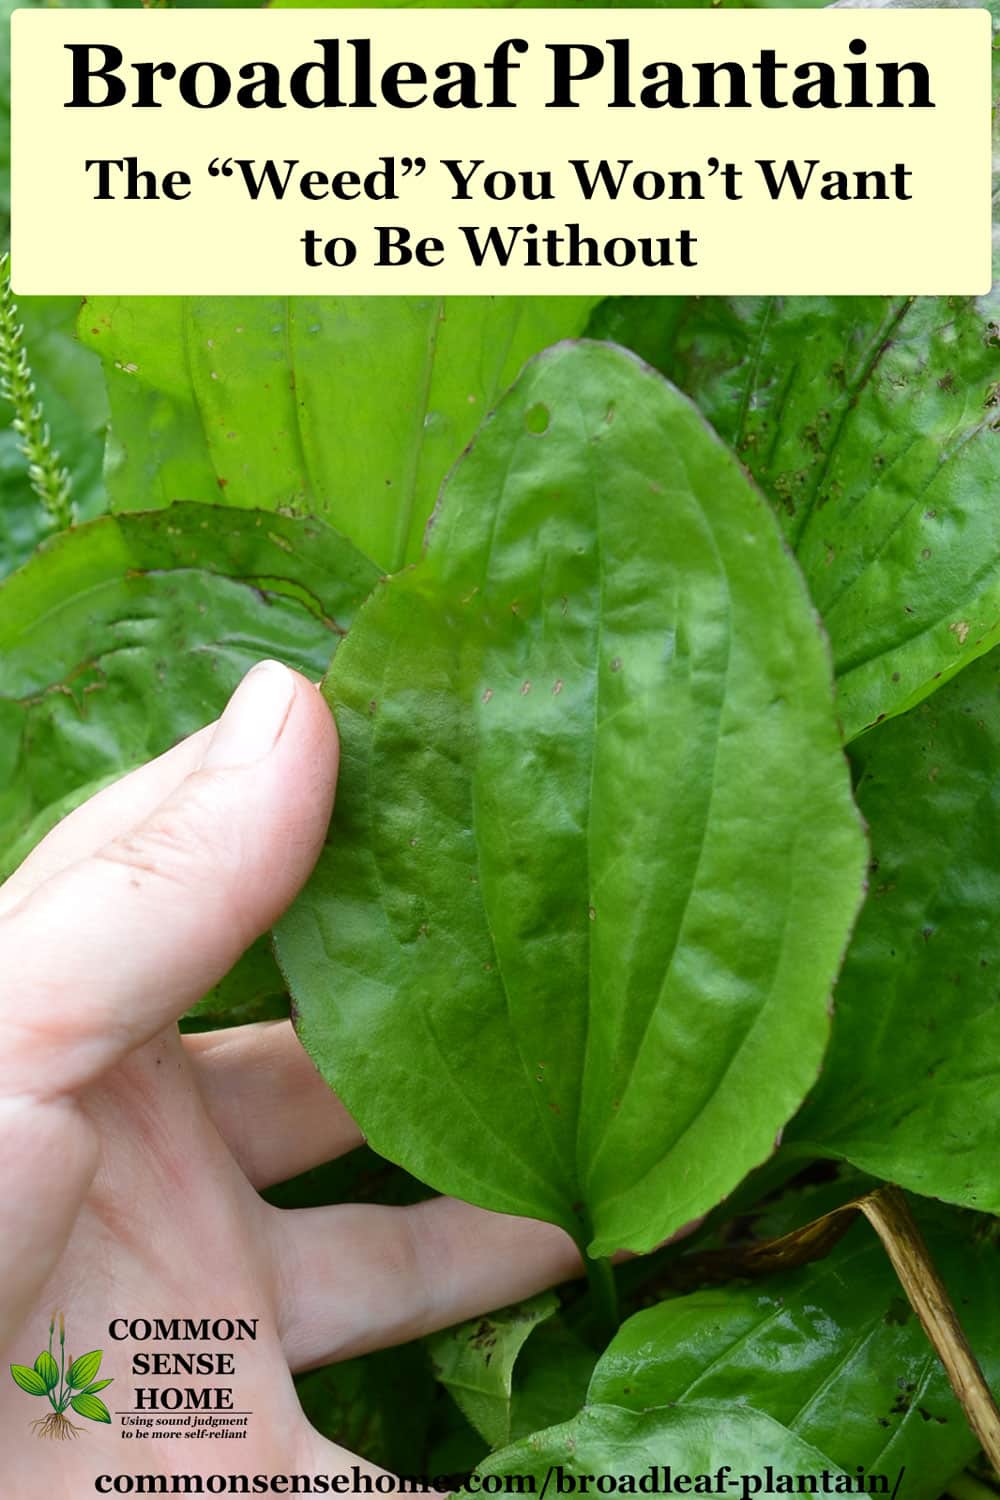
(595, 859)
(475, 1362)
(352, 408)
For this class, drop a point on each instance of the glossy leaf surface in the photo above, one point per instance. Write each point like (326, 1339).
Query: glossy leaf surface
(873, 426)
(121, 637)
(475, 1362)
(595, 858)
(833, 1352)
(695, 1439)
(352, 408)
(830, 1354)
(909, 1087)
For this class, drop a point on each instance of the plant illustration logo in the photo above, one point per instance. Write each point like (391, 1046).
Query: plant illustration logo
(74, 1386)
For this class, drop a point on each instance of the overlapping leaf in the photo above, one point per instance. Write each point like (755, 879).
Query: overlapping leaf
(909, 1088)
(873, 425)
(595, 859)
(121, 637)
(345, 407)
(475, 1362)
(696, 1439)
(830, 1357)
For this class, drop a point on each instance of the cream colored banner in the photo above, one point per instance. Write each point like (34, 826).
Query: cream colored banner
(471, 151)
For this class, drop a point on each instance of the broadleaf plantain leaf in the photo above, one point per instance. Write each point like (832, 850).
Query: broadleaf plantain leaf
(695, 1440)
(595, 859)
(831, 1355)
(351, 408)
(125, 635)
(91, 1407)
(908, 1090)
(83, 1370)
(872, 424)
(46, 1367)
(29, 1380)
(475, 1362)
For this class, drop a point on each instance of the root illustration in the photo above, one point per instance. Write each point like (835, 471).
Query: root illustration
(55, 1427)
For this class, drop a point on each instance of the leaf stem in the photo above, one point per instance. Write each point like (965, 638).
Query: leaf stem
(62, 1359)
(52, 1329)
(603, 1298)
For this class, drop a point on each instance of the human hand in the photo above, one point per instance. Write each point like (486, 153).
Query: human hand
(132, 1157)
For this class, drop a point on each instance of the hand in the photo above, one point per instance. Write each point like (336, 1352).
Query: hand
(132, 1156)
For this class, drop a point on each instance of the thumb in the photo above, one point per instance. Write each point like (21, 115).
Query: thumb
(102, 955)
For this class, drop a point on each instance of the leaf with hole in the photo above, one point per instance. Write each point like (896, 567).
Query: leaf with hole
(351, 408)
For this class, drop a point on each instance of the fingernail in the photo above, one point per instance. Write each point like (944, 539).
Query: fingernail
(253, 719)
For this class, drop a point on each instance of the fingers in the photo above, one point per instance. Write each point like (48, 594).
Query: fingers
(358, 1277)
(110, 949)
(253, 1074)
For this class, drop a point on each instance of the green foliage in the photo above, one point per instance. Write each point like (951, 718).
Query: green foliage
(475, 1362)
(31, 1381)
(909, 1087)
(46, 1367)
(75, 1386)
(829, 1357)
(124, 635)
(871, 424)
(91, 1407)
(604, 657)
(698, 1438)
(595, 860)
(84, 1370)
(349, 409)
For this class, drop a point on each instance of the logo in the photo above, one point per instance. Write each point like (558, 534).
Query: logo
(75, 1386)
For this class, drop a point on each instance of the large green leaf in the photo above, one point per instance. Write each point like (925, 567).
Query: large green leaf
(872, 425)
(119, 638)
(693, 1440)
(909, 1088)
(595, 858)
(346, 407)
(831, 1354)
(475, 1362)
